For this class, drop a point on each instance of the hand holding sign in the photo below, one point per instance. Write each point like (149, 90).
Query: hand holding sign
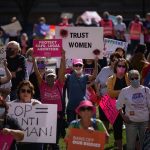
(6, 131)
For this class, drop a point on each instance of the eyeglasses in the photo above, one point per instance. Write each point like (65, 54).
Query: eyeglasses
(121, 66)
(86, 108)
(25, 91)
(134, 78)
(78, 65)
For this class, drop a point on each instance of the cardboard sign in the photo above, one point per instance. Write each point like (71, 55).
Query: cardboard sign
(12, 27)
(108, 105)
(80, 42)
(38, 121)
(5, 141)
(111, 45)
(2, 55)
(47, 48)
(81, 139)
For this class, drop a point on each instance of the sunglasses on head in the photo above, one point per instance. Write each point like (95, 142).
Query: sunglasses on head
(25, 91)
(121, 66)
(86, 108)
(134, 78)
(77, 65)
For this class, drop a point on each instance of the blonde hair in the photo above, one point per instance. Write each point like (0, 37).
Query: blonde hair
(16, 45)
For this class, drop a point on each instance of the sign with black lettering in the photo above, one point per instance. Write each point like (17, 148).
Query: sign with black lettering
(80, 42)
(38, 121)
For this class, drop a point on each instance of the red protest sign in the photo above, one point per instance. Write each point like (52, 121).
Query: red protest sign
(47, 48)
(108, 105)
(5, 141)
(81, 139)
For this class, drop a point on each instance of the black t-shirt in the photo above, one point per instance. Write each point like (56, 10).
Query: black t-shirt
(120, 83)
(12, 123)
(13, 65)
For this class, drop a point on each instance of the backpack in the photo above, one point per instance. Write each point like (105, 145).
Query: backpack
(147, 80)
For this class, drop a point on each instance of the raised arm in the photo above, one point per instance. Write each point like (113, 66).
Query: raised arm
(95, 71)
(61, 72)
(36, 70)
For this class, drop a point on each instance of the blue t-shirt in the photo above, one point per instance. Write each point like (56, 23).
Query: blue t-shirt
(76, 90)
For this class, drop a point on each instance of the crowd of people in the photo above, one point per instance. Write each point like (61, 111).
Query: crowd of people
(25, 79)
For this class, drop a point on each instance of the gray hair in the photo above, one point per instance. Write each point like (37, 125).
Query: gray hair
(16, 45)
(132, 73)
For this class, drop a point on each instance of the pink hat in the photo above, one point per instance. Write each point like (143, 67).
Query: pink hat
(85, 103)
(77, 61)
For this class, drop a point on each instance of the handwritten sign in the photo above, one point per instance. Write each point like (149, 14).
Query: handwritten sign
(80, 42)
(108, 105)
(12, 27)
(80, 139)
(111, 45)
(5, 141)
(47, 48)
(38, 121)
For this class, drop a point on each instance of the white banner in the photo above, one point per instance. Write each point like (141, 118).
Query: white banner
(111, 45)
(80, 42)
(38, 121)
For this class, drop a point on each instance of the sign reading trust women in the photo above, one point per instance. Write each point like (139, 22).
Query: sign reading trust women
(47, 48)
(81, 42)
(38, 122)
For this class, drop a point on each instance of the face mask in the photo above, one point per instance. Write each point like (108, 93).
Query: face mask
(2, 111)
(9, 52)
(120, 70)
(135, 83)
(78, 71)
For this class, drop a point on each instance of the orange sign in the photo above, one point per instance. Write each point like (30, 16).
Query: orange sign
(81, 139)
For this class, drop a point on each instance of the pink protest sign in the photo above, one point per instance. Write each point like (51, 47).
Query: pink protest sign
(5, 141)
(108, 105)
(47, 48)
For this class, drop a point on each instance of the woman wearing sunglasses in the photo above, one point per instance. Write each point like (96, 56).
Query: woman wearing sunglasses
(76, 86)
(136, 98)
(25, 93)
(114, 85)
(85, 111)
(51, 91)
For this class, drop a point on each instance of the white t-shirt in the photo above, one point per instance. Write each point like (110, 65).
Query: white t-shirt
(120, 27)
(29, 66)
(7, 85)
(102, 77)
(137, 102)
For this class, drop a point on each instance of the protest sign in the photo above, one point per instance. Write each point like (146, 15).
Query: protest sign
(80, 42)
(5, 141)
(2, 55)
(12, 27)
(47, 48)
(111, 45)
(38, 121)
(108, 105)
(81, 139)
